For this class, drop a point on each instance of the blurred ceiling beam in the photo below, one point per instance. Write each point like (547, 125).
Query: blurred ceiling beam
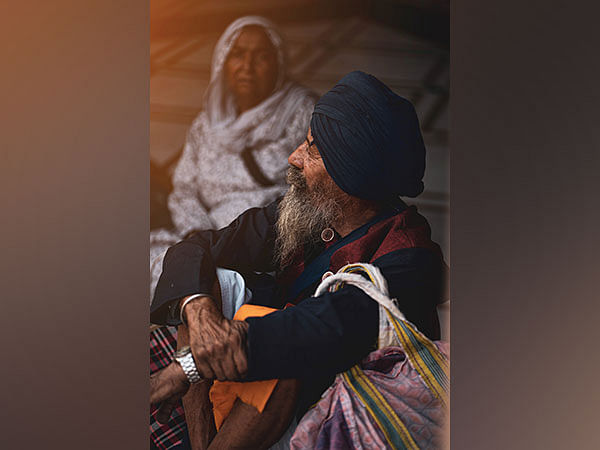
(428, 19)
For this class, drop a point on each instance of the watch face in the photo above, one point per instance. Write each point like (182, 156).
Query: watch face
(182, 351)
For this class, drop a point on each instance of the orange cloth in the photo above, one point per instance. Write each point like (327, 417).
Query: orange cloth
(256, 393)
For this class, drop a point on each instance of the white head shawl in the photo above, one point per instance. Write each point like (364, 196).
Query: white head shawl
(267, 121)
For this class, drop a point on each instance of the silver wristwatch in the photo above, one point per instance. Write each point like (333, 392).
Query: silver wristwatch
(184, 358)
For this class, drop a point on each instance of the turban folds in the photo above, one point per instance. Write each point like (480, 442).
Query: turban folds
(369, 139)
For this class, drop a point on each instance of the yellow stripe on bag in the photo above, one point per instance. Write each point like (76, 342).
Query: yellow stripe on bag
(436, 361)
(439, 356)
(380, 410)
(422, 367)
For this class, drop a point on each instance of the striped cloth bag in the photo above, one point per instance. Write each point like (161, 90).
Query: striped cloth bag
(395, 398)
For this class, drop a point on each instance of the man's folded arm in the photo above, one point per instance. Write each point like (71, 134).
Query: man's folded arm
(330, 333)
(189, 267)
(324, 334)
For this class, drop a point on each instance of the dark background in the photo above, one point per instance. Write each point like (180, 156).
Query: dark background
(75, 219)
(427, 18)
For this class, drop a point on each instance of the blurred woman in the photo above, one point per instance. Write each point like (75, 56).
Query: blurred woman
(235, 155)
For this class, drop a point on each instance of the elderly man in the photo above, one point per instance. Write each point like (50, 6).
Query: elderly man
(363, 151)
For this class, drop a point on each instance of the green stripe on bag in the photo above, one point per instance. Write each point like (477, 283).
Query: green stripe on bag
(428, 361)
(394, 430)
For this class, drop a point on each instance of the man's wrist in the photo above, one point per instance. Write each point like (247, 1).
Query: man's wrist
(174, 318)
(193, 304)
(184, 358)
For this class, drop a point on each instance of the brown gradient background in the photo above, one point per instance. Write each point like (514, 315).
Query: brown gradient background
(525, 152)
(524, 228)
(74, 189)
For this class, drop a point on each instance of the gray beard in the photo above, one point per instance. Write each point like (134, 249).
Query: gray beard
(303, 215)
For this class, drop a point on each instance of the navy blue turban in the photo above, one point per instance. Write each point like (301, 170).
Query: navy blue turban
(369, 139)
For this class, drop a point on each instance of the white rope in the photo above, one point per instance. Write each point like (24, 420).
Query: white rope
(377, 290)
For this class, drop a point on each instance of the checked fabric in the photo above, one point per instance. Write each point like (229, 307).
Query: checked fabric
(163, 344)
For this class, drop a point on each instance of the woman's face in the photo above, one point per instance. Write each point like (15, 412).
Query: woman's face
(251, 68)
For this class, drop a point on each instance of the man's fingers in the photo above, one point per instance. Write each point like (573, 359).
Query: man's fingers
(229, 364)
(218, 362)
(168, 382)
(167, 386)
(218, 346)
(164, 411)
(204, 369)
(239, 357)
(224, 366)
(159, 388)
(240, 360)
(217, 367)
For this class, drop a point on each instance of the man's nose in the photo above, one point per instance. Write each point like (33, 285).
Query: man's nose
(296, 158)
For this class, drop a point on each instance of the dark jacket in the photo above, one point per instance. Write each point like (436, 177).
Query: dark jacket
(320, 336)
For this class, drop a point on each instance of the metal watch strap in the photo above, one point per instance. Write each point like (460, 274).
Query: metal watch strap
(184, 358)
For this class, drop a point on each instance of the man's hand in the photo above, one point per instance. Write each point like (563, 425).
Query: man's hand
(218, 344)
(168, 386)
(219, 349)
